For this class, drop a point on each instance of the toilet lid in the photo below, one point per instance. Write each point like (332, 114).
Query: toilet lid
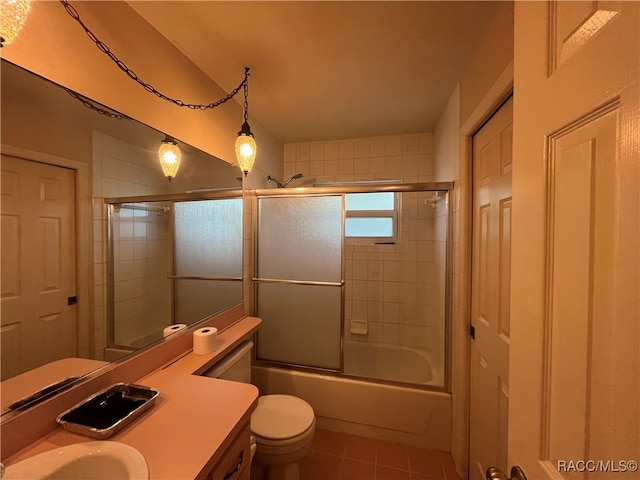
(278, 417)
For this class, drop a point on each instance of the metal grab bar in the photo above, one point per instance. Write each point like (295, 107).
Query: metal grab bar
(299, 282)
(195, 277)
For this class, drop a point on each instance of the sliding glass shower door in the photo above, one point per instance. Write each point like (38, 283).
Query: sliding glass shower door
(299, 280)
(207, 254)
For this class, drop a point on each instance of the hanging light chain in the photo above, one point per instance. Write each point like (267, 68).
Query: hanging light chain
(91, 106)
(246, 93)
(104, 48)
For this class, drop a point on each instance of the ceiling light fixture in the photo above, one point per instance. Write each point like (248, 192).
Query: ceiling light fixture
(245, 143)
(13, 14)
(170, 156)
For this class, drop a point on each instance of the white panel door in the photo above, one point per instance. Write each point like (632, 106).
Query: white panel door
(575, 336)
(489, 384)
(38, 265)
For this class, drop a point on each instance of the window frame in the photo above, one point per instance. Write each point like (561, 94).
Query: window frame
(371, 240)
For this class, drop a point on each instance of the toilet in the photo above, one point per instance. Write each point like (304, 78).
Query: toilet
(282, 425)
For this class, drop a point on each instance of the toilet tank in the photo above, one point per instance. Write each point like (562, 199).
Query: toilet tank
(235, 366)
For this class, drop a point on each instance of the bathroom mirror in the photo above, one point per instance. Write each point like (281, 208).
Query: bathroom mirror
(171, 262)
(45, 126)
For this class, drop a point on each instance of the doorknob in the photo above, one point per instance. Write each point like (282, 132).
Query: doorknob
(494, 473)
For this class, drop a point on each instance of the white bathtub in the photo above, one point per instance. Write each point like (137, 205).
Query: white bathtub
(387, 412)
(391, 362)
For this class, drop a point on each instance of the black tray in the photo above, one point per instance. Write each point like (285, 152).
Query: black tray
(108, 411)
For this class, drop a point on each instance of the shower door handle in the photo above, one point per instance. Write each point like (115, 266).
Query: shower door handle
(494, 473)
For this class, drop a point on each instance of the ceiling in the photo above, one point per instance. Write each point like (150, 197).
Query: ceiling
(328, 70)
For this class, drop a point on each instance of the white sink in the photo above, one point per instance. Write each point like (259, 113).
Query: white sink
(101, 460)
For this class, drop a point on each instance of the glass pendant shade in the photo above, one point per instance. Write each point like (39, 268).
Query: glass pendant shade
(170, 157)
(13, 14)
(245, 149)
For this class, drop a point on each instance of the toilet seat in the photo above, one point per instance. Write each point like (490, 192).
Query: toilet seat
(300, 443)
(281, 420)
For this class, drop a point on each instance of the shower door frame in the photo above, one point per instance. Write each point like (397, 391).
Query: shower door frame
(343, 188)
(110, 205)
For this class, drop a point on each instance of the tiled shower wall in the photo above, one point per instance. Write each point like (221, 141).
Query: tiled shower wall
(142, 291)
(123, 169)
(396, 157)
(398, 289)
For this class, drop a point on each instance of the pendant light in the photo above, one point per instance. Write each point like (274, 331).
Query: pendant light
(170, 156)
(13, 14)
(245, 143)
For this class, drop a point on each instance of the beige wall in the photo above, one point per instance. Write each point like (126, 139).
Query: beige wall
(493, 53)
(467, 105)
(447, 141)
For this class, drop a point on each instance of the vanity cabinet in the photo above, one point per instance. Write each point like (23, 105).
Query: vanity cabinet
(235, 463)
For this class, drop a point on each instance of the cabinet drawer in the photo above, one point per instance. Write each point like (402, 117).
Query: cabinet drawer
(236, 459)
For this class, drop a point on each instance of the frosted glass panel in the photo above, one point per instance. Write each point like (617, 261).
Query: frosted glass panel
(198, 299)
(208, 238)
(300, 238)
(370, 201)
(369, 227)
(300, 324)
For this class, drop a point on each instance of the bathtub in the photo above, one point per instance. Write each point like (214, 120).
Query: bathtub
(391, 362)
(413, 416)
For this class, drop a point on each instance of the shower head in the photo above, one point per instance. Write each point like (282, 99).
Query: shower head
(283, 185)
(294, 177)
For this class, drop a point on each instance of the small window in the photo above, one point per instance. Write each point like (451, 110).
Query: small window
(371, 217)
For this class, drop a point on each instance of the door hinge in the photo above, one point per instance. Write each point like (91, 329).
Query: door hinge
(472, 331)
(72, 300)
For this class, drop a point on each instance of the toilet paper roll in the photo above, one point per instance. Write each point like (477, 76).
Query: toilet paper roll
(205, 340)
(173, 328)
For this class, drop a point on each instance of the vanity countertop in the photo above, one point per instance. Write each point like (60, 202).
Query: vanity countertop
(194, 418)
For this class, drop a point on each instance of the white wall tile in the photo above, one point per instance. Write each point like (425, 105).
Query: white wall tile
(393, 146)
(346, 149)
(332, 167)
(360, 270)
(361, 148)
(316, 168)
(332, 150)
(303, 152)
(375, 290)
(290, 152)
(346, 166)
(361, 165)
(316, 151)
(377, 164)
(410, 144)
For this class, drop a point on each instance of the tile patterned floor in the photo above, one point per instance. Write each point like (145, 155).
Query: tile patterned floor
(337, 456)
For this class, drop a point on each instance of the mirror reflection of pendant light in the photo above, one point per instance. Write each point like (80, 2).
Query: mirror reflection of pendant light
(170, 157)
(13, 14)
(245, 143)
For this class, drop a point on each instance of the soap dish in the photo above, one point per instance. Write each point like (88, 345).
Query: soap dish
(108, 411)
